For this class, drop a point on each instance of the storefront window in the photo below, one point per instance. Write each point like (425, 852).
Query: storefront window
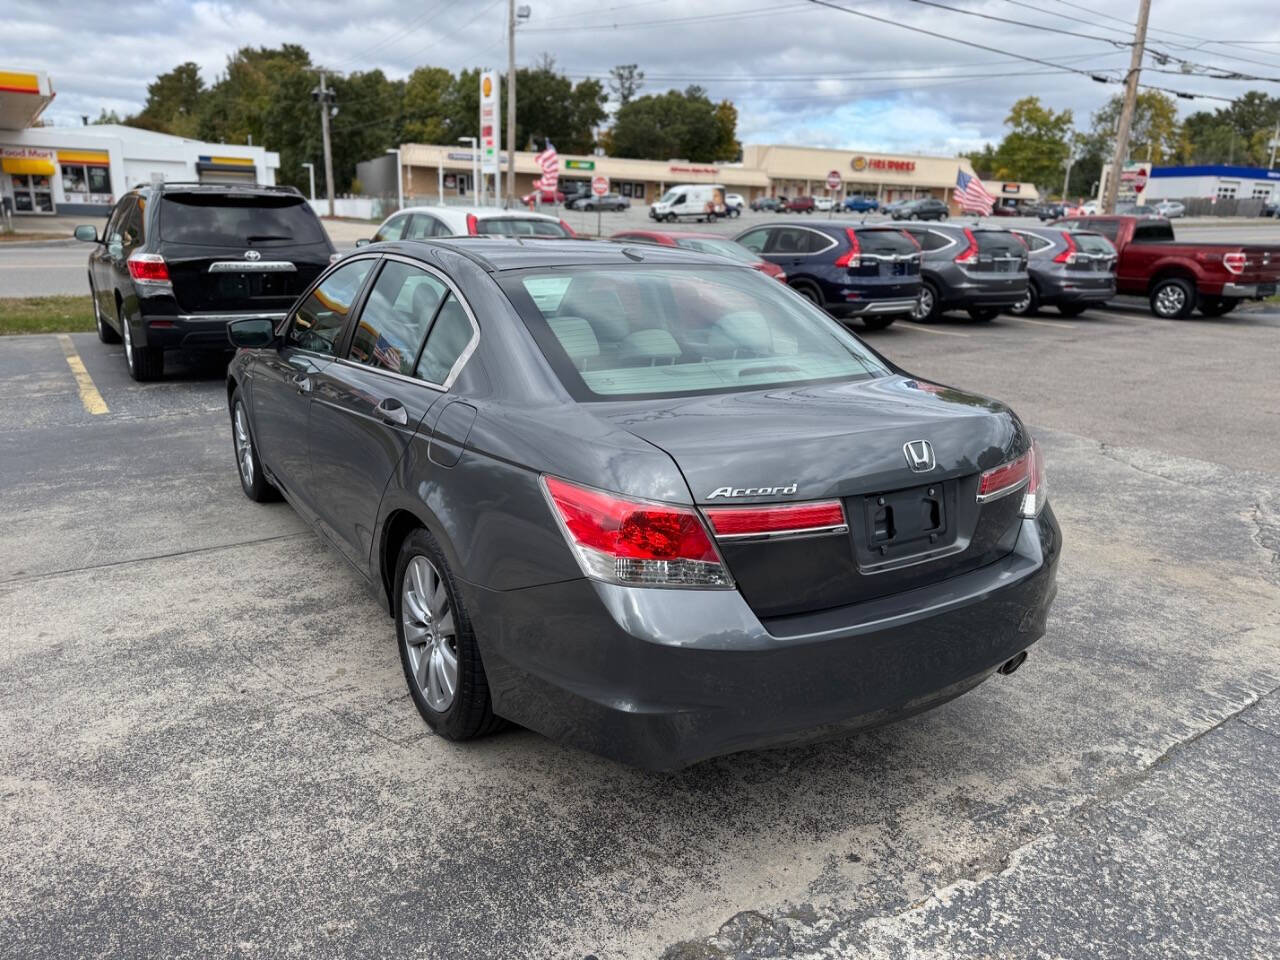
(99, 179)
(73, 178)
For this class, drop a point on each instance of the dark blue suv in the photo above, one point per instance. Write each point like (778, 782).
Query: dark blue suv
(849, 269)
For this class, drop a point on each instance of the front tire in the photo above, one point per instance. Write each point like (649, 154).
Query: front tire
(1173, 299)
(929, 306)
(438, 648)
(253, 481)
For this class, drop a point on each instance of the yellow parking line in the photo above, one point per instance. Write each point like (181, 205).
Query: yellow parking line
(942, 333)
(89, 394)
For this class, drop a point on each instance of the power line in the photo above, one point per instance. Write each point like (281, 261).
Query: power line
(1023, 23)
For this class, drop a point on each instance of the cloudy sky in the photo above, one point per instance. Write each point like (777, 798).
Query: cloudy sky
(799, 72)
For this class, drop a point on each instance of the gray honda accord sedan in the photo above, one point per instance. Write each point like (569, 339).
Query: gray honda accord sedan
(643, 500)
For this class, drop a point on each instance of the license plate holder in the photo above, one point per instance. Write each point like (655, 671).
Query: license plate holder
(903, 525)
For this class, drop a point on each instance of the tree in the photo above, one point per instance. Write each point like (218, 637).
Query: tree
(675, 124)
(1155, 135)
(1241, 132)
(107, 116)
(425, 106)
(173, 102)
(1034, 150)
(625, 80)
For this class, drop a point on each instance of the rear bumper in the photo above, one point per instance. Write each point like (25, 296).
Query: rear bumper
(1056, 289)
(860, 308)
(1250, 291)
(194, 331)
(665, 678)
(958, 289)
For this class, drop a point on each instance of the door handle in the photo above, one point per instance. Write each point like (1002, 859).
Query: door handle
(393, 411)
(302, 382)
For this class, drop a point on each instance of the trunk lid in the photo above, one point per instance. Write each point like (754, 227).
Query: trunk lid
(843, 441)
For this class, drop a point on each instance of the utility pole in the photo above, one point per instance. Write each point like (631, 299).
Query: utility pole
(1066, 177)
(1130, 101)
(1275, 142)
(511, 106)
(325, 98)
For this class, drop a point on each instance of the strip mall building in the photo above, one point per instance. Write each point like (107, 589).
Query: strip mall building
(434, 174)
(84, 170)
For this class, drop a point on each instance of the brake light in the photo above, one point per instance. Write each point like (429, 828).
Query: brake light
(148, 268)
(635, 542)
(472, 225)
(567, 229)
(970, 254)
(787, 519)
(1026, 471)
(1069, 254)
(850, 258)
(1234, 262)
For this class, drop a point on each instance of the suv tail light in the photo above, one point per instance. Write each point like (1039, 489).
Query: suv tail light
(1026, 471)
(150, 273)
(1235, 262)
(789, 519)
(851, 257)
(1069, 254)
(970, 254)
(635, 542)
(472, 225)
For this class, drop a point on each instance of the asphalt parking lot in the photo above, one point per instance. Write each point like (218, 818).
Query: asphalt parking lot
(207, 748)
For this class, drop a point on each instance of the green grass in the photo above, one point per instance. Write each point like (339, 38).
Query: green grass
(65, 314)
(28, 236)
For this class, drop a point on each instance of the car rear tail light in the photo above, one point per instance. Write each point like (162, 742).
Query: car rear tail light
(472, 225)
(790, 519)
(635, 542)
(1235, 262)
(567, 229)
(1027, 471)
(1068, 255)
(970, 254)
(150, 273)
(851, 257)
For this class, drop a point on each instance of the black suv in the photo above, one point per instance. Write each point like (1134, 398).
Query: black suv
(979, 269)
(926, 208)
(178, 261)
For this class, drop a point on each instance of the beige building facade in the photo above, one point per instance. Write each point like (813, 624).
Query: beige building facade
(433, 173)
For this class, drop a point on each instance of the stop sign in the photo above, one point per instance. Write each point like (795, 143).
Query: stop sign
(599, 185)
(833, 180)
(1139, 180)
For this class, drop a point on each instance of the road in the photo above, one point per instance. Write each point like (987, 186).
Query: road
(206, 747)
(38, 271)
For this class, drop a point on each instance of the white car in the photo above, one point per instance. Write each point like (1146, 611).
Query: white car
(734, 204)
(419, 223)
(823, 204)
(1170, 208)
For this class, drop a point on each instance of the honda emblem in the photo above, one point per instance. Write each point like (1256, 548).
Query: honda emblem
(919, 454)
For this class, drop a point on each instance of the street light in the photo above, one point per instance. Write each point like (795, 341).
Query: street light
(474, 144)
(311, 175)
(399, 180)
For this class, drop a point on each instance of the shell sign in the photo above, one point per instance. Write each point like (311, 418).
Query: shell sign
(488, 86)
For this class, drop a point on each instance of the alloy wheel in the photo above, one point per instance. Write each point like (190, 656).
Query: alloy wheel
(1171, 300)
(924, 305)
(1022, 306)
(430, 633)
(244, 446)
(128, 342)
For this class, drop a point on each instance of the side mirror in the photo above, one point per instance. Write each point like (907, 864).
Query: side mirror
(363, 242)
(252, 332)
(87, 232)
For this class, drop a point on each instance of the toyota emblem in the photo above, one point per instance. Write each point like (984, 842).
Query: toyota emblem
(252, 255)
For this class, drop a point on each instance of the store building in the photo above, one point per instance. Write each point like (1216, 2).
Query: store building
(433, 173)
(1217, 181)
(1010, 193)
(84, 170)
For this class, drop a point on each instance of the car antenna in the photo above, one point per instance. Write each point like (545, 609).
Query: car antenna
(632, 254)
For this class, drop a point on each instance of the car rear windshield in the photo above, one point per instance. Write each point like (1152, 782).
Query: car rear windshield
(633, 332)
(1093, 243)
(520, 227)
(222, 220)
(998, 243)
(886, 242)
(720, 247)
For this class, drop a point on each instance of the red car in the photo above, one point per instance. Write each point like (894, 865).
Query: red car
(800, 205)
(547, 198)
(704, 243)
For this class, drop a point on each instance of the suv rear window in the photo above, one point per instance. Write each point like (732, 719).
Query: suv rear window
(519, 227)
(886, 242)
(1093, 243)
(998, 243)
(642, 331)
(224, 220)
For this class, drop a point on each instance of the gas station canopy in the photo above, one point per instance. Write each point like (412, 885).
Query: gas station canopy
(23, 97)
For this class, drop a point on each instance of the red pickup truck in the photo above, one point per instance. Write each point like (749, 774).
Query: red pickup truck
(1179, 277)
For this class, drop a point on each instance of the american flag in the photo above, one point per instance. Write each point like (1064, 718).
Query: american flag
(972, 195)
(549, 161)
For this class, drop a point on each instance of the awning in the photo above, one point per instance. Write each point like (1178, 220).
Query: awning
(96, 157)
(28, 165)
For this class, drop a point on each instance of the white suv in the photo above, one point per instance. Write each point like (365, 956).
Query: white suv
(419, 223)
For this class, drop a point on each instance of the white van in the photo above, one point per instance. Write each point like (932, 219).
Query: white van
(699, 201)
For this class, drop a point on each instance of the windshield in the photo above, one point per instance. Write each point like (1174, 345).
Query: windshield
(520, 227)
(668, 196)
(633, 332)
(716, 245)
(222, 220)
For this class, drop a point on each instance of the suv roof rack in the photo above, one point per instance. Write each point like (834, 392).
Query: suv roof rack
(162, 185)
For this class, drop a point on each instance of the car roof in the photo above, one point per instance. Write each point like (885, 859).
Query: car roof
(497, 253)
(480, 213)
(240, 189)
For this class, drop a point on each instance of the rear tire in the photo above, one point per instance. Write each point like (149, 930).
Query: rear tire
(437, 644)
(1217, 306)
(877, 322)
(105, 331)
(145, 363)
(1072, 309)
(983, 314)
(1173, 299)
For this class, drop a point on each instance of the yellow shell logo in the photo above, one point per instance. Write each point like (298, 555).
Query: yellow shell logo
(487, 86)
(859, 163)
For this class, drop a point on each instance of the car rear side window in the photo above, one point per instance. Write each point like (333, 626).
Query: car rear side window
(1158, 232)
(395, 318)
(614, 333)
(799, 240)
(931, 239)
(448, 340)
(519, 227)
(227, 220)
(393, 229)
(319, 321)
(1034, 241)
(755, 241)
